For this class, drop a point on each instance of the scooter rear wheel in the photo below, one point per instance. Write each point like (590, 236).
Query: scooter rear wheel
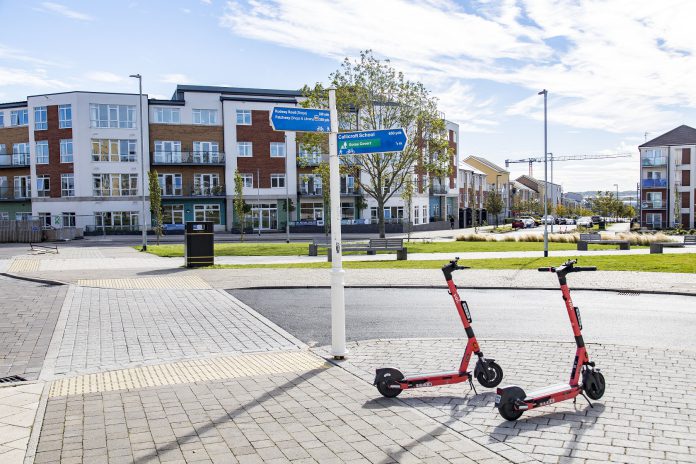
(389, 378)
(492, 376)
(508, 411)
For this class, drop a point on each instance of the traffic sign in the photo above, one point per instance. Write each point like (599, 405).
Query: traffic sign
(300, 119)
(378, 141)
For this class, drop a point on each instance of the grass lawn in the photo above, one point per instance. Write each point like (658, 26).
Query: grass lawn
(301, 249)
(685, 263)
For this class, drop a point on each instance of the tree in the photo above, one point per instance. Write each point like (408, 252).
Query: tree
(407, 196)
(156, 204)
(494, 204)
(322, 170)
(371, 95)
(241, 208)
(561, 210)
(605, 204)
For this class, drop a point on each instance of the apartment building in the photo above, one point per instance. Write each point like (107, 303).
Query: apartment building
(521, 196)
(552, 192)
(497, 179)
(668, 179)
(472, 193)
(15, 176)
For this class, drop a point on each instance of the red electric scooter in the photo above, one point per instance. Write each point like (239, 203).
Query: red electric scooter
(390, 382)
(511, 401)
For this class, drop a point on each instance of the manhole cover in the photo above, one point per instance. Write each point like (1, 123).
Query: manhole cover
(12, 378)
(629, 293)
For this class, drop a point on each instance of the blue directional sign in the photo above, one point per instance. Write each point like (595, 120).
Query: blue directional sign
(378, 141)
(300, 119)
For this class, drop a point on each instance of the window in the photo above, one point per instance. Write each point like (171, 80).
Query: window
(2, 119)
(3, 150)
(4, 216)
(43, 186)
(19, 118)
(244, 117)
(167, 151)
(114, 185)
(170, 184)
(113, 150)
(66, 151)
(64, 116)
(416, 215)
(206, 184)
(120, 220)
(312, 211)
(42, 152)
(167, 115)
(45, 220)
(207, 117)
(40, 119)
(244, 149)
(247, 180)
(206, 152)
(425, 214)
(172, 214)
(310, 184)
(68, 219)
(654, 220)
(67, 185)
(23, 216)
(277, 180)
(347, 211)
(112, 116)
(22, 186)
(206, 213)
(654, 200)
(277, 150)
(4, 188)
(20, 154)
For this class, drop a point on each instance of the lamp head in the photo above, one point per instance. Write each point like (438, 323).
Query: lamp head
(137, 76)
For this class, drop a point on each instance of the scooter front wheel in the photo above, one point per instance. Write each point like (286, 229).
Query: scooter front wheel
(491, 376)
(593, 384)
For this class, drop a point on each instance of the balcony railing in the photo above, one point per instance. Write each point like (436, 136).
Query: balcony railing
(11, 194)
(107, 192)
(188, 157)
(438, 189)
(655, 204)
(309, 160)
(654, 183)
(311, 191)
(194, 191)
(659, 161)
(351, 191)
(14, 160)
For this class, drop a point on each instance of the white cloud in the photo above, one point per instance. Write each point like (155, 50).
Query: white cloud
(65, 11)
(620, 66)
(175, 79)
(37, 78)
(105, 77)
(185, 10)
(7, 53)
(207, 2)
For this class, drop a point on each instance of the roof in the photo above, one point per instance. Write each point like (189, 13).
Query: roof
(488, 163)
(467, 167)
(156, 101)
(521, 186)
(180, 89)
(682, 135)
(13, 105)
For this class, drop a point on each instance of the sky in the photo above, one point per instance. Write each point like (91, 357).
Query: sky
(618, 72)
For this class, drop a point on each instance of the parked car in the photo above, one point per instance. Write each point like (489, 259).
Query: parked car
(518, 223)
(529, 221)
(585, 221)
(569, 221)
(561, 221)
(596, 219)
(548, 219)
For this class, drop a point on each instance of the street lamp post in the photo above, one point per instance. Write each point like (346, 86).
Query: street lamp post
(617, 200)
(546, 184)
(142, 158)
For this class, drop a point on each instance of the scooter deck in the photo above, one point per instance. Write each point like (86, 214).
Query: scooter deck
(550, 390)
(433, 375)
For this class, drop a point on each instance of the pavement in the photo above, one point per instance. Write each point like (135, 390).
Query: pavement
(134, 359)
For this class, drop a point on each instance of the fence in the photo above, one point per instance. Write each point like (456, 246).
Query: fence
(23, 231)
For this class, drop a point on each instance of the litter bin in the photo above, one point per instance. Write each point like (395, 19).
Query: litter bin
(198, 247)
(602, 225)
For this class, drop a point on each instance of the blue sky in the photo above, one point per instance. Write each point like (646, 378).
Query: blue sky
(614, 69)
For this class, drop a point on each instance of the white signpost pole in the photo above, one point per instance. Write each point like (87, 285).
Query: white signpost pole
(338, 307)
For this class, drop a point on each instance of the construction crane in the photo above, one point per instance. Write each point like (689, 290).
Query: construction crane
(552, 158)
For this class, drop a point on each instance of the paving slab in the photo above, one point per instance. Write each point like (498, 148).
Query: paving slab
(18, 406)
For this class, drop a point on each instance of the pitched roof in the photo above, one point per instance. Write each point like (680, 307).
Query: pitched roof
(488, 163)
(467, 167)
(682, 135)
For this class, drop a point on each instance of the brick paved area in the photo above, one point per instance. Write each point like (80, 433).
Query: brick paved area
(324, 415)
(648, 413)
(110, 328)
(28, 314)
(18, 406)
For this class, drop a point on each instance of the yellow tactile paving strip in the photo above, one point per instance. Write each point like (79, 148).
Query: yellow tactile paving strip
(201, 370)
(182, 282)
(24, 265)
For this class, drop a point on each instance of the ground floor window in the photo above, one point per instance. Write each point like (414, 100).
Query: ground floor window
(391, 214)
(119, 220)
(416, 215)
(312, 211)
(22, 216)
(68, 219)
(45, 220)
(264, 216)
(425, 214)
(4, 216)
(347, 211)
(206, 213)
(172, 214)
(654, 220)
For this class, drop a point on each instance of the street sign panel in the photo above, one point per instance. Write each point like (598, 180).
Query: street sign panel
(300, 119)
(378, 141)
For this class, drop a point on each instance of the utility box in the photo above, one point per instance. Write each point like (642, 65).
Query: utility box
(198, 246)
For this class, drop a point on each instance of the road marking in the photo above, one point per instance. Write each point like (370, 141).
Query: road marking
(199, 370)
(179, 282)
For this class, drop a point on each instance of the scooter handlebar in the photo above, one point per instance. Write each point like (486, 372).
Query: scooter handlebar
(584, 268)
(547, 269)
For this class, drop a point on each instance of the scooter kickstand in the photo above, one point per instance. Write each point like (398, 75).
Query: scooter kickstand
(471, 384)
(587, 399)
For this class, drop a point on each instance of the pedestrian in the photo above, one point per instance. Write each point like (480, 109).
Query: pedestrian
(451, 219)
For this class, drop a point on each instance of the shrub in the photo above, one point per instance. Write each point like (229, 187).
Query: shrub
(633, 238)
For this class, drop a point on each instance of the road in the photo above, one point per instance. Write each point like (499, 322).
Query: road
(647, 320)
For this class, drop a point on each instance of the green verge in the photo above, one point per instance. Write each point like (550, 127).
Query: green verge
(301, 249)
(680, 263)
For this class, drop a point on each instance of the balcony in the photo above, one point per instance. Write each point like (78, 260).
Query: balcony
(654, 204)
(658, 161)
(309, 160)
(16, 160)
(653, 183)
(188, 157)
(350, 191)
(12, 194)
(437, 189)
(193, 191)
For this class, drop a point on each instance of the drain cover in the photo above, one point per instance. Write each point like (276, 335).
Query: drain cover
(12, 378)
(629, 293)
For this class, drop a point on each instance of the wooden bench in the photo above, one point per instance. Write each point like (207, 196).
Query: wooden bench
(318, 243)
(690, 240)
(656, 247)
(596, 239)
(371, 247)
